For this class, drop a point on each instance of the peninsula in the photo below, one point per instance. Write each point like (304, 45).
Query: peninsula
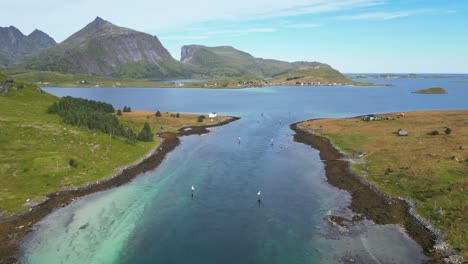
(404, 167)
(51, 157)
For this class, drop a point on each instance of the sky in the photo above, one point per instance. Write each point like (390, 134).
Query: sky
(353, 36)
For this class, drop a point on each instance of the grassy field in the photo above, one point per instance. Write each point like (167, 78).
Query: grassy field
(430, 170)
(166, 122)
(56, 79)
(433, 90)
(36, 148)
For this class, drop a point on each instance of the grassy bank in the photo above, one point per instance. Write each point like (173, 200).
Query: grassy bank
(56, 79)
(428, 169)
(37, 148)
(167, 122)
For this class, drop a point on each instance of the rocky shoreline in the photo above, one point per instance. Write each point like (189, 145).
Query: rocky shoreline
(368, 202)
(14, 229)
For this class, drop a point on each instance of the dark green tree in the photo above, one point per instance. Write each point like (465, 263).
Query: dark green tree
(448, 130)
(119, 112)
(177, 115)
(145, 134)
(158, 114)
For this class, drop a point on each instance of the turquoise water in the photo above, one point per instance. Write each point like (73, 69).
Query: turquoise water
(154, 219)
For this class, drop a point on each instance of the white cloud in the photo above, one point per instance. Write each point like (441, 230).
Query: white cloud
(302, 25)
(230, 32)
(384, 15)
(62, 18)
(182, 37)
(241, 31)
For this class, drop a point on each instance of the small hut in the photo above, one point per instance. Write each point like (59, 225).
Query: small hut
(212, 115)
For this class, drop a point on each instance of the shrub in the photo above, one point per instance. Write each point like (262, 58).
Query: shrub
(448, 131)
(434, 133)
(119, 112)
(201, 118)
(177, 115)
(158, 114)
(73, 163)
(130, 136)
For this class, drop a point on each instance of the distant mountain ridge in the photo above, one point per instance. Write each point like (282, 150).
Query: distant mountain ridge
(14, 45)
(226, 61)
(102, 48)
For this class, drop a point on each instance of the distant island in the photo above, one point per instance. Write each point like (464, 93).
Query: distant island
(396, 76)
(433, 90)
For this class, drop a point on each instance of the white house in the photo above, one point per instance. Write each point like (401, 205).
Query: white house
(212, 115)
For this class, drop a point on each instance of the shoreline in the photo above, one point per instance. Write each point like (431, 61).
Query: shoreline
(219, 87)
(14, 229)
(367, 201)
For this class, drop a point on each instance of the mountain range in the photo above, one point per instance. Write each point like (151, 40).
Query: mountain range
(14, 45)
(104, 49)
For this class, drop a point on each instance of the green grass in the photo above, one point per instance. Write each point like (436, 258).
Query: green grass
(433, 90)
(56, 79)
(36, 147)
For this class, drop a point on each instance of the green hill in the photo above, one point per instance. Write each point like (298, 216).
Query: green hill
(36, 149)
(317, 75)
(226, 61)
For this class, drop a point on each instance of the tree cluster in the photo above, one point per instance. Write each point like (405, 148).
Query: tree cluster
(93, 115)
(127, 109)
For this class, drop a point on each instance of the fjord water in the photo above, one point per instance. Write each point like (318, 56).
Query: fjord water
(154, 219)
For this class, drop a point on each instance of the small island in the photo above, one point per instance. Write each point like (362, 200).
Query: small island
(432, 90)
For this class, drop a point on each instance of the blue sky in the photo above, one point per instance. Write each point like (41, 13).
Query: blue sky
(351, 35)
